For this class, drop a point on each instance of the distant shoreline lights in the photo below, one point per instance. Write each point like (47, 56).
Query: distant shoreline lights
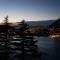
(54, 36)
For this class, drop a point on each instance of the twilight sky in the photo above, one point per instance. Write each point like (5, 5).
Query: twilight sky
(29, 10)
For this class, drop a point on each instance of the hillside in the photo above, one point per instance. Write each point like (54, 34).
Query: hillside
(56, 24)
(40, 23)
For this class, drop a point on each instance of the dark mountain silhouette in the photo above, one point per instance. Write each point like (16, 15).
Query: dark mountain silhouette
(56, 24)
(41, 23)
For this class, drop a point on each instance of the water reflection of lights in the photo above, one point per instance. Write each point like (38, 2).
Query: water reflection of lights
(54, 36)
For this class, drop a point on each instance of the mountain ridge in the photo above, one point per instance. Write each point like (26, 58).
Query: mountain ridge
(40, 23)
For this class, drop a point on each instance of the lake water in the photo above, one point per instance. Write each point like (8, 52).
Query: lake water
(52, 47)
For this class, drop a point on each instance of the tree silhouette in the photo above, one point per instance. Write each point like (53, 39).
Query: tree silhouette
(6, 36)
(6, 20)
(23, 26)
(28, 46)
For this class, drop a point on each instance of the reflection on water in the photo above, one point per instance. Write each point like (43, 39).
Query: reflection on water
(49, 46)
(45, 45)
